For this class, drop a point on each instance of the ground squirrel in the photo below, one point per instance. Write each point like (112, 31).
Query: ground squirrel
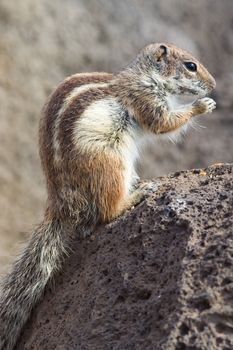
(90, 133)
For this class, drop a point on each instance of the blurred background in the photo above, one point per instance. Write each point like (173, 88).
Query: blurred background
(44, 41)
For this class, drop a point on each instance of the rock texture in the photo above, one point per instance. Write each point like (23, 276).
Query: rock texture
(159, 277)
(43, 41)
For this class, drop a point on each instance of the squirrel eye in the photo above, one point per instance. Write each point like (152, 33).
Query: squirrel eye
(191, 66)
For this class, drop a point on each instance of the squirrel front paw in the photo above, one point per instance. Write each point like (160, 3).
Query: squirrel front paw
(204, 105)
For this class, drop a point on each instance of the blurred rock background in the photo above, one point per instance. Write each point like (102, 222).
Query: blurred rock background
(43, 41)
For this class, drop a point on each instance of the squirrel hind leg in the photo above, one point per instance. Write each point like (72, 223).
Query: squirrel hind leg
(136, 197)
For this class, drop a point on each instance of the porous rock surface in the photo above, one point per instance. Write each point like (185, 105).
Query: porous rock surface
(159, 277)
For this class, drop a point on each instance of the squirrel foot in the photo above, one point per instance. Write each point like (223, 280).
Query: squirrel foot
(142, 191)
(146, 188)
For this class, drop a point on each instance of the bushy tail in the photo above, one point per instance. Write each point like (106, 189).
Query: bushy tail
(24, 285)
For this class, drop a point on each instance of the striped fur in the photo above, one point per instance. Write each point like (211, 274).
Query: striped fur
(90, 134)
(52, 108)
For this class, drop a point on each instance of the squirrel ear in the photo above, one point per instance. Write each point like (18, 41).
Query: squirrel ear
(162, 51)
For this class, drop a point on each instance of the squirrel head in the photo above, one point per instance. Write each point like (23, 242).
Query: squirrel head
(173, 70)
